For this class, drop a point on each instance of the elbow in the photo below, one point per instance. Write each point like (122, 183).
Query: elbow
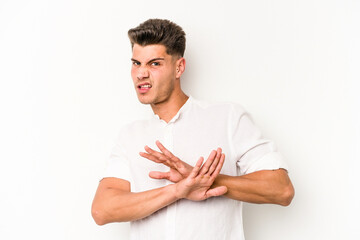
(103, 215)
(98, 215)
(287, 195)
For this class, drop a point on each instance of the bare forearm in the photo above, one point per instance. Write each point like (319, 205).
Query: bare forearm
(115, 205)
(114, 202)
(270, 186)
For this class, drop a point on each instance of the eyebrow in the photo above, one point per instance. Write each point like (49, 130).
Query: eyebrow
(152, 60)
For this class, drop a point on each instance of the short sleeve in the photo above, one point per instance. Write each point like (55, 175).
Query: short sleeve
(118, 163)
(253, 152)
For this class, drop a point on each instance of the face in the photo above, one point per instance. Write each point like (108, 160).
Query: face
(154, 73)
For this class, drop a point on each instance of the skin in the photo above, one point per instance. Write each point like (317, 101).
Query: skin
(267, 186)
(151, 64)
(114, 201)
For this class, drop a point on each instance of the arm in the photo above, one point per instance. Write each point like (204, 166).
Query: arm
(114, 202)
(268, 186)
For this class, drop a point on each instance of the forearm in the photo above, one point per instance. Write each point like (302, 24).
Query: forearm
(114, 205)
(114, 202)
(270, 186)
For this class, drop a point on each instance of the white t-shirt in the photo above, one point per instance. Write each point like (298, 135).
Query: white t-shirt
(196, 130)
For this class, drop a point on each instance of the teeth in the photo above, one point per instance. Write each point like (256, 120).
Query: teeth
(146, 86)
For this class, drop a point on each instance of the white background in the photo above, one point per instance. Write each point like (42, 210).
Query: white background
(66, 91)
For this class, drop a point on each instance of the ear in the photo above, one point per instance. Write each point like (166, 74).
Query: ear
(180, 67)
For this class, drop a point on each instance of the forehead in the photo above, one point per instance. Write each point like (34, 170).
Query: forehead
(144, 53)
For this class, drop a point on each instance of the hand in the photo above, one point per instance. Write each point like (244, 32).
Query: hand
(197, 186)
(178, 168)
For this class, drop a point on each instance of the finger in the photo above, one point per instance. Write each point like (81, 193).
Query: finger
(159, 175)
(218, 167)
(167, 159)
(215, 162)
(218, 191)
(207, 164)
(166, 151)
(153, 152)
(161, 158)
(162, 148)
(196, 169)
(150, 157)
(171, 160)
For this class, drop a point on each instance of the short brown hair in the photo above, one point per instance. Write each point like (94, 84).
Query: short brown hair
(159, 31)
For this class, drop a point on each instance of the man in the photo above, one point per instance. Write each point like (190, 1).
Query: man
(171, 193)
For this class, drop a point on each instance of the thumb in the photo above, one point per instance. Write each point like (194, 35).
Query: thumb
(159, 175)
(218, 191)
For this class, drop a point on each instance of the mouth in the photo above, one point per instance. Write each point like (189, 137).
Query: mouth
(144, 87)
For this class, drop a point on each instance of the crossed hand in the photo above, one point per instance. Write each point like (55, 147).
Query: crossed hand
(193, 183)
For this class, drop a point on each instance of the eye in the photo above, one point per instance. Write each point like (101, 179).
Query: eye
(135, 63)
(155, 64)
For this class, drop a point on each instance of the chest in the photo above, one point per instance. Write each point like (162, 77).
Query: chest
(189, 142)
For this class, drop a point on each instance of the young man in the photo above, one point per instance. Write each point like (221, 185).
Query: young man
(172, 193)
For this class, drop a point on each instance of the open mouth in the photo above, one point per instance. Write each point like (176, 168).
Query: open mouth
(144, 86)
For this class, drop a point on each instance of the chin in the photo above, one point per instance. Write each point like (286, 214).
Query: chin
(144, 100)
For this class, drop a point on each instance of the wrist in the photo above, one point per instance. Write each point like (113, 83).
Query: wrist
(173, 192)
(220, 180)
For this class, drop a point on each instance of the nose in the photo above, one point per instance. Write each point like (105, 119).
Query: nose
(142, 73)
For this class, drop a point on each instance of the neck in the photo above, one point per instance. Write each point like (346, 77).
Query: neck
(168, 109)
